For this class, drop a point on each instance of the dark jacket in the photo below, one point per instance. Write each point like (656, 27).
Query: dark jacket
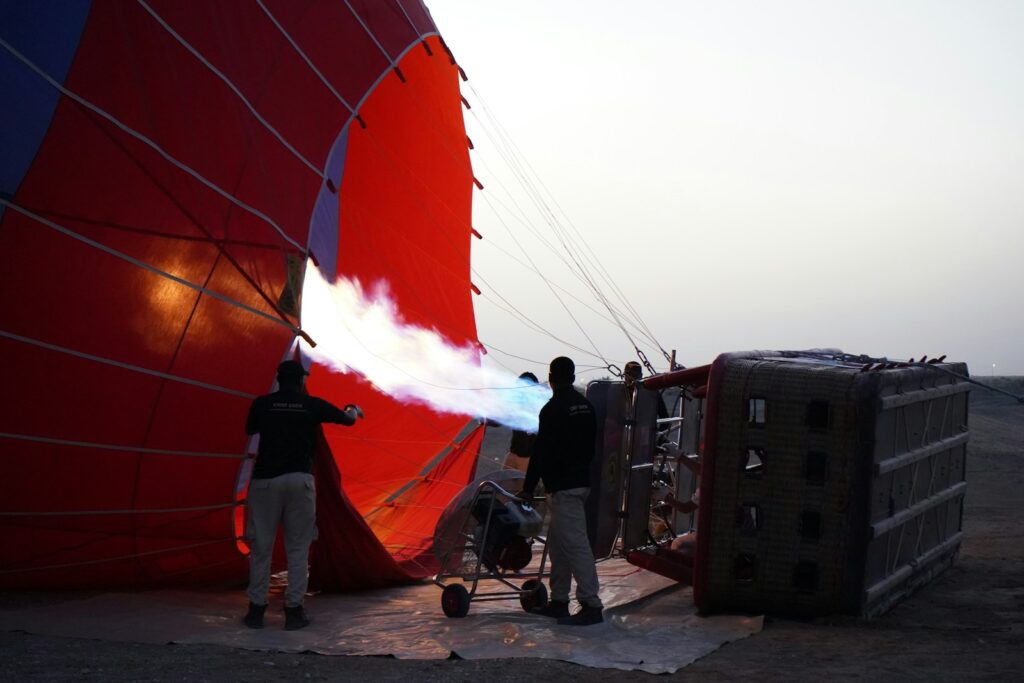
(565, 443)
(522, 443)
(286, 422)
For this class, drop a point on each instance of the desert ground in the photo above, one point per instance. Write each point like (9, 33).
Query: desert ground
(966, 625)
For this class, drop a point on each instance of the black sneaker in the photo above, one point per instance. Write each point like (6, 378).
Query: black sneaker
(555, 609)
(587, 616)
(254, 617)
(295, 618)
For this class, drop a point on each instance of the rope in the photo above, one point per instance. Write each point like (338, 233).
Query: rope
(405, 441)
(97, 513)
(115, 447)
(398, 456)
(396, 274)
(562, 236)
(126, 366)
(309, 63)
(501, 129)
(394, 163)
(930, 364)
(512, 163)
(883, 363)
(559, 298)
(104, 560)
(401, 532)
(449, 443)
(424, 475)
(376, 42)
(385, 151)
(535, 271)
(536, 362)
(145, 266)
(574, 265)
(608, 368)
(150, 143)
(415, 30)
(413, 377)
(522, 317)
(519, 314)
(201, 228)
(491, 347)
(497, 361)
(227, 81)
(161, 234)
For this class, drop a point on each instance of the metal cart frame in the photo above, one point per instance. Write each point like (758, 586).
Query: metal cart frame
(456, 598)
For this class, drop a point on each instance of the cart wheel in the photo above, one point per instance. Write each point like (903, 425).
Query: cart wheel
(455, 600)
(536, 597)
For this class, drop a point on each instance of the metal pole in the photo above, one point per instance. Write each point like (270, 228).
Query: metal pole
(628, 436)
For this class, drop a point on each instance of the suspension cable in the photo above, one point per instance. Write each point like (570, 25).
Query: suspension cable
(553, 220)
(537, 272)
(366, 28)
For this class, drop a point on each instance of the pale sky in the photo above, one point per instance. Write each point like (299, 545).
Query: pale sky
(754, 175)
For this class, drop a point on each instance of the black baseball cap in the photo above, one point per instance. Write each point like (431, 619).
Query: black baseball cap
(291, 369)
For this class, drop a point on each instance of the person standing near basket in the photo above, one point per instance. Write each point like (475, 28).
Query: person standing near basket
(520, 447)
(565, 445)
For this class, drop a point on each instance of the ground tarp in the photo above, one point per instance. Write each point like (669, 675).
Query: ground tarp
(650, 624)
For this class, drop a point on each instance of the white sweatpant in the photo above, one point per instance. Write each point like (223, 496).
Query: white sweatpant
(289, 499)
(569, 548)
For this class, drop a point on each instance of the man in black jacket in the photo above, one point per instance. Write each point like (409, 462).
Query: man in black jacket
(282, 488)
(561, 459)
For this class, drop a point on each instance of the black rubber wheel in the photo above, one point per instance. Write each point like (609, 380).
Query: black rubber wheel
(455, 600)
(516, 555)
(536, 597)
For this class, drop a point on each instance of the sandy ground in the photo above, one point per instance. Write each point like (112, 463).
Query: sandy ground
(967, 625)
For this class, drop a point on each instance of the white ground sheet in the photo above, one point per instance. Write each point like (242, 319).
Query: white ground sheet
(650, 624)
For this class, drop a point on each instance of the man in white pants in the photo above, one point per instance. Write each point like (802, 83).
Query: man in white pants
(282, 490)
(561, 459)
